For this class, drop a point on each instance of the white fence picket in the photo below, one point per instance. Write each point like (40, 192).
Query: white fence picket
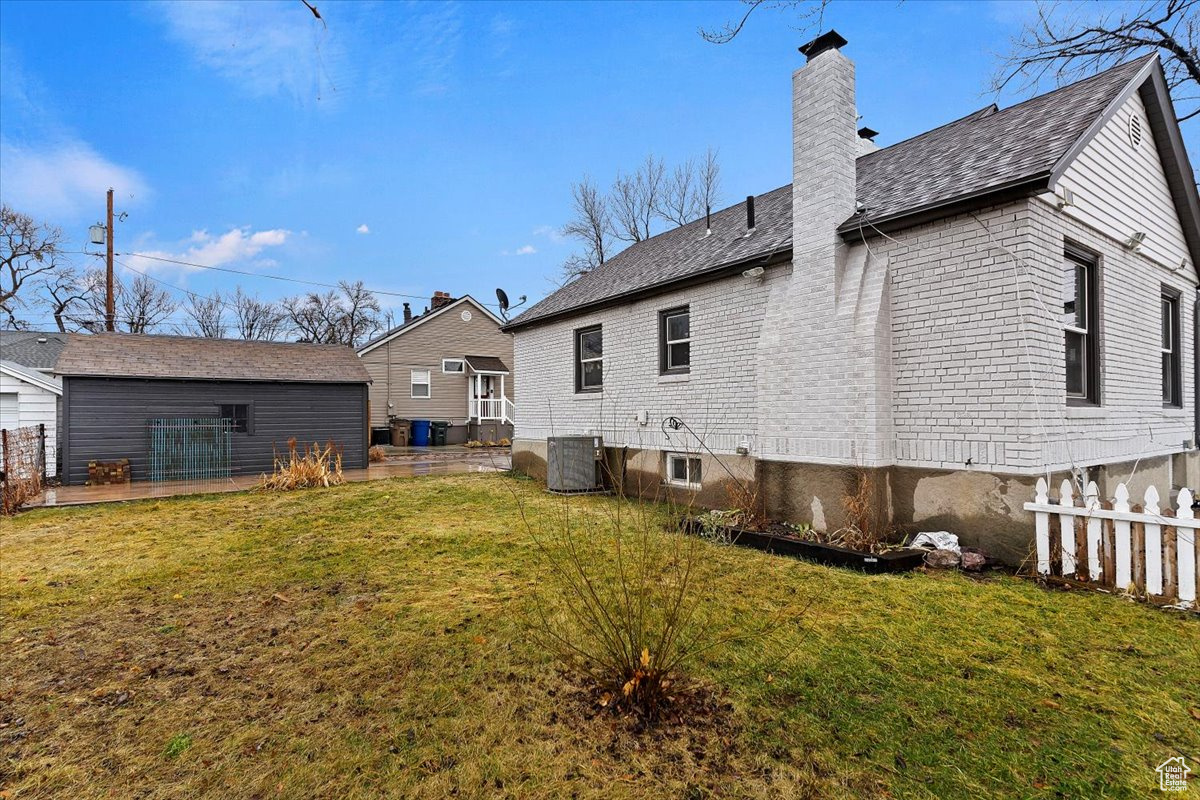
(1066, 524)
(1041, 523)
(1185, 550)
(1112, 563)
(1091, 501)
(1154, 552)
(1123, 530)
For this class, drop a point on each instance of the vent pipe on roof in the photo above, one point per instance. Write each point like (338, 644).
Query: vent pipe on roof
(707, 220)
(749, 214)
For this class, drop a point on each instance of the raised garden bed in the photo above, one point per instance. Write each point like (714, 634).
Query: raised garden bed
(831, 555)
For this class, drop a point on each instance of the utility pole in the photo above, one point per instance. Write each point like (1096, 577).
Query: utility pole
(110, 313)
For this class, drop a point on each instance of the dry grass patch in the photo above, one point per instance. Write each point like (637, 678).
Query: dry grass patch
(373, 640)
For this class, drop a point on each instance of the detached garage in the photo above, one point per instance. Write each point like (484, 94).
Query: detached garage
(179, 407)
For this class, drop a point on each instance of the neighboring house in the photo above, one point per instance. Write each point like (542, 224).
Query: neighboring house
(1006, 296)
(271, 392)
(449, 364)
(29, 392)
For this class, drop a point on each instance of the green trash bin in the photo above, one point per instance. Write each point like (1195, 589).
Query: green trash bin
(438, 434)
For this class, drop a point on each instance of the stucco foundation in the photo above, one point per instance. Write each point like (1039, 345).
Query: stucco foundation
(985, 510)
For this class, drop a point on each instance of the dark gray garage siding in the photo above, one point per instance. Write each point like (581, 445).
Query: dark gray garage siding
(105, 418)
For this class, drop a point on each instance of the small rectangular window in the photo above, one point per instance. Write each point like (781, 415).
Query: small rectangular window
(674, 341)
(683, 470)
(1172, 365)
(589, 359)
(453, 366)
(238, 415)
(420, 383)
(1080, 329)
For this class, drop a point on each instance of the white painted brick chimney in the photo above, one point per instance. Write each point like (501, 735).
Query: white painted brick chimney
(823, 358)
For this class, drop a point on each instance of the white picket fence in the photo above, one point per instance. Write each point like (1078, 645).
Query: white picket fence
(1142, 548)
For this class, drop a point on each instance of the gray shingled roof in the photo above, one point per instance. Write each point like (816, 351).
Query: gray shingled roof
(988, 150)
(486, 364)
(129, 355)
(23, 347)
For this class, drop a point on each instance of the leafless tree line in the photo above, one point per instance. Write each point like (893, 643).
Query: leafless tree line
(637, 206)
(36, 275)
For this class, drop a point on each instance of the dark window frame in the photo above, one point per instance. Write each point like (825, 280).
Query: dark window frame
(1173, 298)
(578, 335)
(246, 425)
(1093, 320)
(664, 368)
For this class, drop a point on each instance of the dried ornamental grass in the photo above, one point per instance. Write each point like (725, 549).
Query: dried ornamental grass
(376, 455)
(304, 469)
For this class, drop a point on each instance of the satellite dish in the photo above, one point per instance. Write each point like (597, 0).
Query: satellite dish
(503, 299)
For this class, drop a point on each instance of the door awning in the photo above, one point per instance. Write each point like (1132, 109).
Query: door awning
(486, 365)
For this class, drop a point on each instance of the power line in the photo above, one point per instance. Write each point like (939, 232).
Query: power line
(261, 275)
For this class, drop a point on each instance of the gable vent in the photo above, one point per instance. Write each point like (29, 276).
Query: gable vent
(1135, 130)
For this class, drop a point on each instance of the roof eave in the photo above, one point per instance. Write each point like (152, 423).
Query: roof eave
(207, 379)
(772, 258)
(856, 229)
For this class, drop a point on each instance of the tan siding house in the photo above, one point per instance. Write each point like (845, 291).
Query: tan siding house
(449, 364)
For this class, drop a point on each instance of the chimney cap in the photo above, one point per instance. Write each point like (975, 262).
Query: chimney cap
(867, 133)
(830, 40)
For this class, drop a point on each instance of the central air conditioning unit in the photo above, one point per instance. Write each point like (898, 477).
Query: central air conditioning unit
(573, 463)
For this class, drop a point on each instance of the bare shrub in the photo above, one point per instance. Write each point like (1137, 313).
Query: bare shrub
(305, 468)
(376, 455)
(868, 528)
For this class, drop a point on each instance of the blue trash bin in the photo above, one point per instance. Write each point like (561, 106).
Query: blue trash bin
(420, 433)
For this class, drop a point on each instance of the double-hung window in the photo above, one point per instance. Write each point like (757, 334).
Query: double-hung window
(589, 359)
(1081, 328)
(1172, 372)
(674, 341)
(420, 383)
(683, 470)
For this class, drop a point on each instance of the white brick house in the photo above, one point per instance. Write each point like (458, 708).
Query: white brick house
(962, 312)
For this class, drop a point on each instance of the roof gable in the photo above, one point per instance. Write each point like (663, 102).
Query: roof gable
(31, 376)
(421, 319)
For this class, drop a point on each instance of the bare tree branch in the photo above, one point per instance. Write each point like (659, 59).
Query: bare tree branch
(809, 14)
(28, 249)
(1065, 43)
(64, 295)
(207, 316)
(591, 225)
(635, 200)
(255, 319)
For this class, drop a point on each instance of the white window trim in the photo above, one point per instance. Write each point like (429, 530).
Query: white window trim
(689, 483)
(583, 361)
(462, 366)
(428, 383)
(686, 312)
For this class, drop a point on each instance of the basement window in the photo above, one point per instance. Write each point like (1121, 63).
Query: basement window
(1172, 372)
(1080, 322)
(238, 415)
(683, 470)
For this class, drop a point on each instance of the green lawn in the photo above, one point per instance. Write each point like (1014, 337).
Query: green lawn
(374, 640)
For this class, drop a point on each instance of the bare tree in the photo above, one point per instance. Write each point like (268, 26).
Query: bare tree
(691, 188)
(635, 200)
(142, 305)
(207, 316)
(363, 317)
(809, 14)
(1068, 42)
(332, 318)
(64, 294)
(591, 225)
(28, 249)
(256, 319)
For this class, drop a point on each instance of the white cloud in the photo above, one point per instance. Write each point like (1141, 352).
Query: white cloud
(523, 250)
(238, 245)
(363, 228)
(550, 232)
(66, 180)
(263, 48)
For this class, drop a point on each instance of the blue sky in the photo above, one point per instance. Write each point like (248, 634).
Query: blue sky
(423, 147)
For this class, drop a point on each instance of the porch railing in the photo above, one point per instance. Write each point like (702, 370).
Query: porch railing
(491, 409)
